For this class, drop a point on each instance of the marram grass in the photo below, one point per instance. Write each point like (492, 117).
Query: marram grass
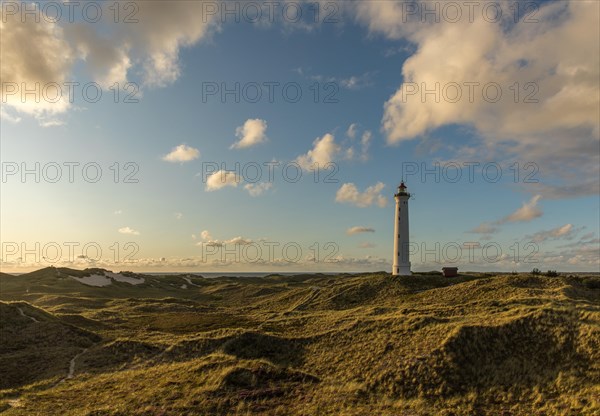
(368, 344)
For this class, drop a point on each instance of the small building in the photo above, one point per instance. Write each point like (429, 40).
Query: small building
(450, 271)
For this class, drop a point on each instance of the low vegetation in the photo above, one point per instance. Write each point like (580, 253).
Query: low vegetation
(368, 344)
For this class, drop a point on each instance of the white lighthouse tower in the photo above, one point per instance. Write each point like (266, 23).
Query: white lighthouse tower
(401, 265)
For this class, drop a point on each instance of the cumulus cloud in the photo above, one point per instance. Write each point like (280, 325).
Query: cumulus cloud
(554, 119)
(566, 232)
(529, 211)
(582, 253)
(208, 240)
(182, 153)
(6, 116)
(163, 28)
(356, 82)
(34, 55)
(324, 151)
(352, 130)
(45, 52)
(352, 82)
(256, 189)
(221, 179)
(129, 231)
(484, 228)
(210, 243)
(107, 63)
(238, 241)
(253, 132)
(366, 245)
(52, 123)
(349, 193)
(359, 229)
(365, 142)
(572, 190)
(224, 178)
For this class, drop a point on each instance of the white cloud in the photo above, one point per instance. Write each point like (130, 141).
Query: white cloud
(256, 189)
(352, 82)
(44, 52)
(208, 240)
(561, 131)
(484, 228)
(182, 153)
(366, 245)
(118, 212)
(5, 115)
(129, 231)
(221, 179)
(365, 143)
(34, 55)
(178, 215)
(529, 211)
(52, 123)
(356, 82)
(324, 151)
(253, 132)
(348, 193)
(163, 28)
(238, 241)
(108, 63)
(359, 229)
(349, 153)
(572, 190)
(210, 243)
(564, 232)
(352, 130)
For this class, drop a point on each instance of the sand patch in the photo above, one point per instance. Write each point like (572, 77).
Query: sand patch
(97, 280)
(125, 279)
(187, 279)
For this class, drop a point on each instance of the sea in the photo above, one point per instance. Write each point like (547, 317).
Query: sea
(238, 274)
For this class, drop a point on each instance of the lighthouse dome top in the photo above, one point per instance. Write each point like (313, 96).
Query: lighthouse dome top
(402, 190)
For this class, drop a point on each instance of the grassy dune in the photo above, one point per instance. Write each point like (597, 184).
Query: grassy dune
(307, 345)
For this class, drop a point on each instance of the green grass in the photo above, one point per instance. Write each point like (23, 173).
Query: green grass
(479, 344)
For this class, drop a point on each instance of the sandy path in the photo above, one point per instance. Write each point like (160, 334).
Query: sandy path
(26, 316)
(72, 365)
(187, 279)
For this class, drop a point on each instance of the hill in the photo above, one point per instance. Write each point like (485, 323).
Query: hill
(35, 345)
(307, 344)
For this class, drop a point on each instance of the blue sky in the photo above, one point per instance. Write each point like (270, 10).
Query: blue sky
(370, 59)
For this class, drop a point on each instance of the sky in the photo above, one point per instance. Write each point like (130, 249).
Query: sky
(271, 136)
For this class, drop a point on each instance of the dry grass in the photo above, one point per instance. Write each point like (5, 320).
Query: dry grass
(322, 345)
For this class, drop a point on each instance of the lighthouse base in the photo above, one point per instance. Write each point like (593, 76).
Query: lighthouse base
(403, 270)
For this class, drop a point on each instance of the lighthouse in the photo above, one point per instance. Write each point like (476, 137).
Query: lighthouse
(401, 266)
